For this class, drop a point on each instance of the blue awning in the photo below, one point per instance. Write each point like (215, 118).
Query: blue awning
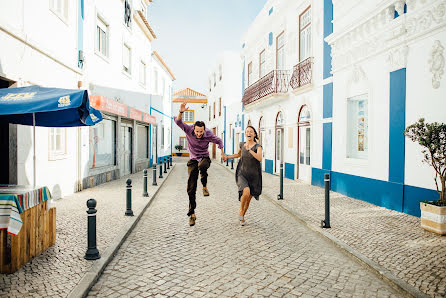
(53, 107)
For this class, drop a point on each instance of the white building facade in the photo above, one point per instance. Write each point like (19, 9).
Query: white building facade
(224, 97)
(102, 46)
(282, 55)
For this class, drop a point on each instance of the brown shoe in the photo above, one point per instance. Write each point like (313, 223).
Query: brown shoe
(192, 219)
(205, 192)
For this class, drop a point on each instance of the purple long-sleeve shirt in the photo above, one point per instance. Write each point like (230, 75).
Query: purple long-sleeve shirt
(198, 148)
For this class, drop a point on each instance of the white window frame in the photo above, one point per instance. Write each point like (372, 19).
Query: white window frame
(354, 128)
(129, 68)
(142, 72)
(250, 73)
(188, 116)
(102, 24)
(262, 64)
(183, 142)
(60, 8)
(53, 152)
(280, 51)
(305, 43)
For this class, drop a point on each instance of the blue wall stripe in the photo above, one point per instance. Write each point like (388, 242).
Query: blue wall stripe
(328, 29)
(395, 196)
(327, 146)
(289, 171)
(328, 100)
(269, 164)
(397, 122)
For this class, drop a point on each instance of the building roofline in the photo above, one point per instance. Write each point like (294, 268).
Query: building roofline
(164, 64)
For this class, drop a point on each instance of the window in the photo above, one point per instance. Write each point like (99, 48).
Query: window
(250, 73)
(183, 142)
(209, 113)
(357, 127)
(162, 136)
(60, 8)
(102, 37)
(142, 72)
(230, 130)
(143, 142)
(220, 71)
(155, 81)
(262, 64)
(215, 79)
(126, 58)
(210, 85)
(280, 52)
(214, 109)
(305, 35)
(188, 116)
(127, 14)
(219, 104)
(57, 142)
(102, 144)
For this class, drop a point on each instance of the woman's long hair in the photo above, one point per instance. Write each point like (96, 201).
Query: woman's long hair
(256, 137)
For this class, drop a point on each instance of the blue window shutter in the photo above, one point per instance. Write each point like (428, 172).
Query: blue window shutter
(270, 11)
(270, 38)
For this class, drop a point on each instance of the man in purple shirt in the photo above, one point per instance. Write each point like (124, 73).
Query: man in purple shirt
(198, 139)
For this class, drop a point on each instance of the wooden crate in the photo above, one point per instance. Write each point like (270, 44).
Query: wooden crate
(38, 232)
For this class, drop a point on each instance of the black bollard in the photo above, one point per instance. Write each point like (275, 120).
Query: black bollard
(232, 163)
(145, 193)
(92, 251)
(280, 196)
(170, 158)
(168, 163)
(154, 175)
(129, 211)
(164, 162)
(326, 223)
(161, 169)
(227, 162)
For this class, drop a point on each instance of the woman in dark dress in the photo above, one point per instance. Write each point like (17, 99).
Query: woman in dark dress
(248, 174)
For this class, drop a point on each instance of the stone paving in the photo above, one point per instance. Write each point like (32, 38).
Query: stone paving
(389, 238)
(57, 271)
(273, 255)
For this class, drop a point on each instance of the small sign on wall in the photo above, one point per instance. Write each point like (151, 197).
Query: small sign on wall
(290, 137)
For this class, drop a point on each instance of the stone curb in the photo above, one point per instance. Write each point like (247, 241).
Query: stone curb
(385, 274)
(89, 279)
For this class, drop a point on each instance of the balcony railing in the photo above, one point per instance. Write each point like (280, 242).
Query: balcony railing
(302, 73)
(276, 81)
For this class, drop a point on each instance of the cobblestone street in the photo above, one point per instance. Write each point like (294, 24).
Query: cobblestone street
(273, 255)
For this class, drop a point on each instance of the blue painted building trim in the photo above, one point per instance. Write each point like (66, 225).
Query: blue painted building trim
(161, 158)
(395, 196)
(159, 112)
(327, 146)
(270, 38)
(328, 29)
(269, 164)
(397, 124)
(270, 11)
(289, 171)
(328, 100)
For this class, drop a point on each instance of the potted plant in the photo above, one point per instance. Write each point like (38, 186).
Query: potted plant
(432, 137)
(179, 148)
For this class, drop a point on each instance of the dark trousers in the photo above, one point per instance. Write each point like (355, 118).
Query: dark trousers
(193, 167)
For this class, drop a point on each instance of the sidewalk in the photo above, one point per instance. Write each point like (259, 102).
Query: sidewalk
(62, 269)
(390, 242)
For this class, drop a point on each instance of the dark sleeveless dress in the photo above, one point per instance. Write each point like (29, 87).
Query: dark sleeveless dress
(249, 172)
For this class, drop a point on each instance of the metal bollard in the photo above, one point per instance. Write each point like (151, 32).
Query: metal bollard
(92, 251)
(168, 163)
(154, 175)
(170, 158)
(145, 193)
(326, 222)
(232, 163)
(161, 169)
(227, 162)
(129, 211)
(280, 196)
(164, 162)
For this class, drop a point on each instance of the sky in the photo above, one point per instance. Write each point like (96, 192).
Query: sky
(191, 34)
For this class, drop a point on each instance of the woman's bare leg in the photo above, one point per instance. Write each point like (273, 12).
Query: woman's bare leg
(246, 206)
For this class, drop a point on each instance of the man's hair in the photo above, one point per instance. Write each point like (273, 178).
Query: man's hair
(200, 124)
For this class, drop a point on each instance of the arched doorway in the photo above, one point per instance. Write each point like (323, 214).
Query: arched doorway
(304, 144)
(262, 139)
(279, 143)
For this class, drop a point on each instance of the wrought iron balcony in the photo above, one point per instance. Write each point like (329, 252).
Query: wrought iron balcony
(276, 81)
(302, 73)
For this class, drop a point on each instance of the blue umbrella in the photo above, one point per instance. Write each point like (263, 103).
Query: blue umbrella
(50, 107)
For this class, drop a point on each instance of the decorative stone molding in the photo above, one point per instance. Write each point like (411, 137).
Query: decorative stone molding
(382, 33)
(397, 58)
(436, 63)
